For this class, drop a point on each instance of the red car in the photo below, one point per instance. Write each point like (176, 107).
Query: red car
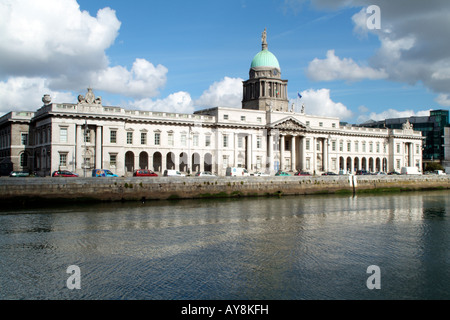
(144, 173)
(64, 173)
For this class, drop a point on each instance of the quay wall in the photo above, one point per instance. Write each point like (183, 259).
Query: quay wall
(48, 190)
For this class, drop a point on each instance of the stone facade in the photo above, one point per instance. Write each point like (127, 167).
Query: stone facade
(262, 136)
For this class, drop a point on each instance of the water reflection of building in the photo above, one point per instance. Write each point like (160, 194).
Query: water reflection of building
(265, 135)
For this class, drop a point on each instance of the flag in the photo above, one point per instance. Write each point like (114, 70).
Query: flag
(299, 95)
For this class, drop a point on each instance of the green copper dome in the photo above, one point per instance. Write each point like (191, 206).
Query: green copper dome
(265, 58)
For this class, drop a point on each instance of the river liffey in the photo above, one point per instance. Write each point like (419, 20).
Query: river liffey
(290, 248)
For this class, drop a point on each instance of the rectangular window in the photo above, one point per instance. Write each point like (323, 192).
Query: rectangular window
(398, 164)
(398, 148)
(195, 140)
(144, 138)
(417, 149)
(113, 136)
(333, 125)
(63, 135)
(341, 146)
(87, 135)
(25, 139)
(371, 147)
(356, 146)
(183, 140)
(308, 123)
(308, 164)
(258, 119)
(170, 139)
(363, 147)
(207, 141)
(349, 146)
(320, 124)
(112, 160)
(258, 142)
(378, 147)
(225, 162)
(240, 142)
(242, 118)
(225, 117)
(333, 164)
(307, 144)
(63, 159)
(258, 162)
(157, 139)
(129, 137)
(333, 145)
(225, 141)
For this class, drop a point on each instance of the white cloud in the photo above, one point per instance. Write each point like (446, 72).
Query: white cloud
(225, 93)
(143, 80)
(54, 42)
(443, 100)
(392, 113)
(179, 102)
(414, 42)
(318, 102)
(334, 68)
(22, 93)
(50, 37)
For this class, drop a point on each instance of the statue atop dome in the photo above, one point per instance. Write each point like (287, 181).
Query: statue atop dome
(264, 39)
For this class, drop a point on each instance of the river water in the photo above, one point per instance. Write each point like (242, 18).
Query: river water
(290, 248)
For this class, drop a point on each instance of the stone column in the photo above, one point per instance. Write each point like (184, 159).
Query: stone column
(79, 147)
(314, 157)
(281, 152)
(270, 152)
(303, 155)
(293, 154)
(249, 152)
(98, 148)
(325, 155)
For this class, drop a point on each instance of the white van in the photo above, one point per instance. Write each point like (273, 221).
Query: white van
(237, 172)
(410, 170)
(173, 173)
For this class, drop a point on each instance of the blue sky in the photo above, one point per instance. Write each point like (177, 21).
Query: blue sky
(187, 55)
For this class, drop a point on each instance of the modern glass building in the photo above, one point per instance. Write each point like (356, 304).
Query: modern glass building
(432, 128)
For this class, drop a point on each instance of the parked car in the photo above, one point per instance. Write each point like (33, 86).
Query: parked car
(204, 174)
(302, 173)
(103, 173)
(64, 173)
(173, 173)
(362, 173)
(410, 170)
(282, 173)
(329, 174)
(379, 173)
(259, 174)
(19, 174)
(144, 173)
(394, 173)
(236, 172)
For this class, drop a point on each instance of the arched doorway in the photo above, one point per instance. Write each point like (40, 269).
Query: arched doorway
(170, 161)
(129, 161)
(195, 162)
(183, 162)
(157, 162)
(208, 162)
(143, 160)
(364, 164)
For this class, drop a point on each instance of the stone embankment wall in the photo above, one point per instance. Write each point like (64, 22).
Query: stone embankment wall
(26, 190)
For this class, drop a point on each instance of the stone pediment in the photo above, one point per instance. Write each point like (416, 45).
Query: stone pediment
(289, 123)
